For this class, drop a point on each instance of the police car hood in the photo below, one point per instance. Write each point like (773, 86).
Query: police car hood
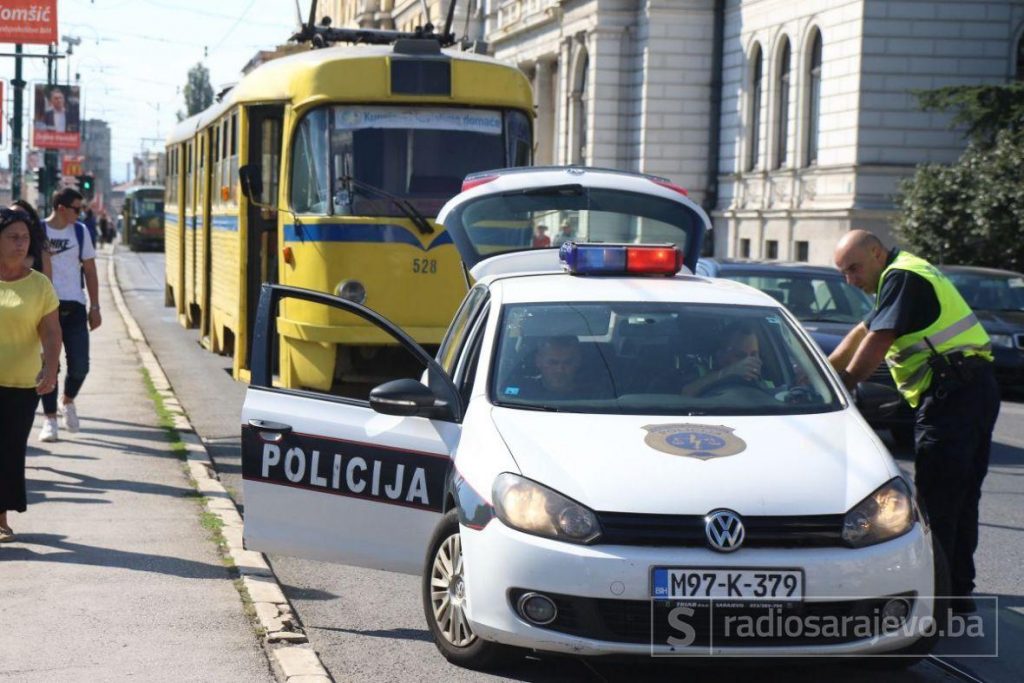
(766, 465)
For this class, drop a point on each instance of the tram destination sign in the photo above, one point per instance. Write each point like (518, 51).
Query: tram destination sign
(28, 21)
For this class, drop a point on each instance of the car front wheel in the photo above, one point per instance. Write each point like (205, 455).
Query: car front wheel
(444, 602)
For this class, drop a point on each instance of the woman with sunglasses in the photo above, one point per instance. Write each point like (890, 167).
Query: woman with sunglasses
(28, 318)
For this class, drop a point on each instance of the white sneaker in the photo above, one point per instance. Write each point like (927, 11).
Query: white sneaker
(49, 431)
(70, 418)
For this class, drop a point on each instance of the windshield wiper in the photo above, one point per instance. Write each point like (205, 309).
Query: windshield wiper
(824, 320)
(403, 205)
(528, 406)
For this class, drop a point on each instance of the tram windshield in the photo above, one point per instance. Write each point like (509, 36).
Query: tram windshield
(420, 154)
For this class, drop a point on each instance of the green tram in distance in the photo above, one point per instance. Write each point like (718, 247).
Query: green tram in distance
(143, 218)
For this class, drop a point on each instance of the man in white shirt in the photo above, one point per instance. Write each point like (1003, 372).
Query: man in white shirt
(73, 257)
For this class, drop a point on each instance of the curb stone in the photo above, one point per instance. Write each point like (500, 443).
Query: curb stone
(294, 659)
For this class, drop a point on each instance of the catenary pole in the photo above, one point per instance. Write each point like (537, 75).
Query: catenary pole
(19, 85)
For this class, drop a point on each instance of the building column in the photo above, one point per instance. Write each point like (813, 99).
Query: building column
(544, 126)
(563, 109)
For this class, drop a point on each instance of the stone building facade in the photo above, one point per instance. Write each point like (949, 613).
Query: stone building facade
(791, 122)
(96, 150)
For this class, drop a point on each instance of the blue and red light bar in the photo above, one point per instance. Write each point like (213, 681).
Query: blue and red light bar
(620, 259)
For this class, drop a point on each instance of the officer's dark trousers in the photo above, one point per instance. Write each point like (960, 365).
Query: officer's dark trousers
(953, 438)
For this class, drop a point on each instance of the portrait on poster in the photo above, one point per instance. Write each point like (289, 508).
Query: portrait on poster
(56, 122)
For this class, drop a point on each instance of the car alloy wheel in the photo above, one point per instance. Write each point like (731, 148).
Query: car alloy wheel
(448, 593)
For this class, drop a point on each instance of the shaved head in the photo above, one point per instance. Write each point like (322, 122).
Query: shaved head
(860, 256)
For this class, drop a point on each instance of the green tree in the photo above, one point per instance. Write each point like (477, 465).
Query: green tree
(198, 91)
(971, 212)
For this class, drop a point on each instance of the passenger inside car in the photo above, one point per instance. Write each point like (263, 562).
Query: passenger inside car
(565, 368)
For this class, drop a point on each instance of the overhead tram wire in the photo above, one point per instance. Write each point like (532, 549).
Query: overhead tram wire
(233, 26)
(178, 8)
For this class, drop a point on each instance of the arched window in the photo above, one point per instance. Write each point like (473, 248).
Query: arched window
(1019, 73)
(782, 109)
(814, 99)
(756, 91)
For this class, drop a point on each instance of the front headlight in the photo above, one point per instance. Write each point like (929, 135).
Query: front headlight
(527, 506)
(885, 514)
(353, 290)
(1004, 341)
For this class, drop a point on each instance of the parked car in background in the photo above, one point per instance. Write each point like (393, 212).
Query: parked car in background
(997, 298)
(828, 308)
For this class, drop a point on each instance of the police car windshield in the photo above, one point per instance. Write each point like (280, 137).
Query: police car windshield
(656, 359)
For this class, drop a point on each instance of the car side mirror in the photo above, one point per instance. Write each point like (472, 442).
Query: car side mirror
(252, 182)
(406, 397)
(876, 399)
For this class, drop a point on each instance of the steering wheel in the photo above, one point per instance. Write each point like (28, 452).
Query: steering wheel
(729, 381)
(797, 393)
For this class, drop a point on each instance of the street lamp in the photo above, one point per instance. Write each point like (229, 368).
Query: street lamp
(71, 41)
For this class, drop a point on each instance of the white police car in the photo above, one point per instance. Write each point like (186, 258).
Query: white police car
(608, 455)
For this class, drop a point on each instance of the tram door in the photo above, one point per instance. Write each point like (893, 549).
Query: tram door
(262, 248)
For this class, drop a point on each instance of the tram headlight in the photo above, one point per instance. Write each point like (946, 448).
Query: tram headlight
(353, 290)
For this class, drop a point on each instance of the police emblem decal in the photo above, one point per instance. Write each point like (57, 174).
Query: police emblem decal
(695, 441)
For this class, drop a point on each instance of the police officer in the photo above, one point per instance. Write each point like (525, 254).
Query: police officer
(940, 358)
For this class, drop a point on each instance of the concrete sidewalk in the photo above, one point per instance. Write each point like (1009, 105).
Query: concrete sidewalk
(112, 575)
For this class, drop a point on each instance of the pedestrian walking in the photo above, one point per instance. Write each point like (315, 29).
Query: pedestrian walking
(38, 252)
(28, 318)
(941, 359)
(88, 218)
(73, 254)
(106, 229)
(540, 236)
(565, 234)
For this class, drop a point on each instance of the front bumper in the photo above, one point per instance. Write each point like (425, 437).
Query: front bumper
(1009, 367)
(603, 594)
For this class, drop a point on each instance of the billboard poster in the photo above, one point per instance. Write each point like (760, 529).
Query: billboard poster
(72, 165)
(56, 121)
(28, 21)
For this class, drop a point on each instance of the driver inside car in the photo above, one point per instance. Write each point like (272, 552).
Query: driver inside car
(737, 360)
(558, 362)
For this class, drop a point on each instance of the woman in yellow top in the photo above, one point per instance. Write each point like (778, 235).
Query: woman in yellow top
(28, 319)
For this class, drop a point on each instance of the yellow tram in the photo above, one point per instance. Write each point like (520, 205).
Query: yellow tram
(352, 151)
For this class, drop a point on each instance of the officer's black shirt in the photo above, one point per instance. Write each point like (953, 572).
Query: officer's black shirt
(906, 302)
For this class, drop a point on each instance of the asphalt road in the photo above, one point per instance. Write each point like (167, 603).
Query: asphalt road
(367, 625)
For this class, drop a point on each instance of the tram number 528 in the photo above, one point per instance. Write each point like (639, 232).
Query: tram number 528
(424, 265)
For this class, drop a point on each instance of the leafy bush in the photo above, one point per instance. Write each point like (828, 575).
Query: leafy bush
(971, 212)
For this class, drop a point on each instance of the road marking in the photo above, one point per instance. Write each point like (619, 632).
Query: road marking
(1012, 408)
(953, 669)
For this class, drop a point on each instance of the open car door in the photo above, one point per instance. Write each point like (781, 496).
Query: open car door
(330, 478)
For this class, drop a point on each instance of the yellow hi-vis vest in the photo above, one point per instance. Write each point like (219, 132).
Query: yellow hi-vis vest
(956, 329)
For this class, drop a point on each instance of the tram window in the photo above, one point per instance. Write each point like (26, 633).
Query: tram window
(418, 153)
(517, 136)
(233, 158)
(309, 162)
(189, 176)
(271, 137)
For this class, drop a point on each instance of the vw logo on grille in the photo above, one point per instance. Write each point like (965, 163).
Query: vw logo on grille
(724, 530)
